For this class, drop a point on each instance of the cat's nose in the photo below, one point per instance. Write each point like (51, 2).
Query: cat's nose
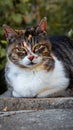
(31, 57)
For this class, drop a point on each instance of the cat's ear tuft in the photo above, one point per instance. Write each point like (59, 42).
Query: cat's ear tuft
(42, 26)
(9, 32)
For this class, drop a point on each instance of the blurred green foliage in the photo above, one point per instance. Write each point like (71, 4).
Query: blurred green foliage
(21, 13)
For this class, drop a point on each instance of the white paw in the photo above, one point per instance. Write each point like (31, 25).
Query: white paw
(15, 94)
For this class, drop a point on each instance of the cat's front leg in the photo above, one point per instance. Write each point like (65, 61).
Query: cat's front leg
(25, 94)
(15, 94)
(50, 93)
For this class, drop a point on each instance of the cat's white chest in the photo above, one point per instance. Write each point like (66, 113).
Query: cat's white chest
(40, 83)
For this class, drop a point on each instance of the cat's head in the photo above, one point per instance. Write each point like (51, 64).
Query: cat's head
(28, 48)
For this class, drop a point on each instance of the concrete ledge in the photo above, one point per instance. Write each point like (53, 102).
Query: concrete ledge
(52, 119)
(16, 104)
(36, 113)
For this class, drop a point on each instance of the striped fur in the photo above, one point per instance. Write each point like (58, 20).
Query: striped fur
(62, 48)
(38, 65)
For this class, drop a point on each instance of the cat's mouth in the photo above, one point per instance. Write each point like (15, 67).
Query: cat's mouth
(31, 64)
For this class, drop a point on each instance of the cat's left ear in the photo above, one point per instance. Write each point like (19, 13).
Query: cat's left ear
(42, 26)
(9, 32)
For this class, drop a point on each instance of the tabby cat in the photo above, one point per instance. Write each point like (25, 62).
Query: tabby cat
(38, 65)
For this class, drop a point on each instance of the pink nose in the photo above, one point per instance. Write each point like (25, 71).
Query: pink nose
(31, 57)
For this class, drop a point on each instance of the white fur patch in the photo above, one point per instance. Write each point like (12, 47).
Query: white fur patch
(38, 82)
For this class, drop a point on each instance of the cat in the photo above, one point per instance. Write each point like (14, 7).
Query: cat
(38, 65)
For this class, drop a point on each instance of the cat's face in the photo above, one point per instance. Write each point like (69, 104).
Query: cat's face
(28, 48)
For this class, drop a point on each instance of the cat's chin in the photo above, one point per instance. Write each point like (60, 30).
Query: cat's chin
(32, 65)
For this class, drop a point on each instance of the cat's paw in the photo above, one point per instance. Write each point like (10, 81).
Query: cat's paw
(15, 94)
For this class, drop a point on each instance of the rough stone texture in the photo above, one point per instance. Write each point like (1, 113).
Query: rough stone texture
(36, 113)
(54, 119)
(13, 104)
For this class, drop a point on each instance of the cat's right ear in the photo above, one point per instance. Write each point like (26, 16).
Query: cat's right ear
(9, 32)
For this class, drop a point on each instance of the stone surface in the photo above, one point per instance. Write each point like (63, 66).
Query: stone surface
(53, 119)
(36, 113)
(13, 104)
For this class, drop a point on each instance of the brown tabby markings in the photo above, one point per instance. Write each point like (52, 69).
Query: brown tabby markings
(51, 54)
(19, 48)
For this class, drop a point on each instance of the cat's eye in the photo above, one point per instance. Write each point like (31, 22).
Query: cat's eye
(38, 47)
(20, 51)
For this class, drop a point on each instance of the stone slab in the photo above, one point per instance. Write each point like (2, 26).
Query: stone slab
(14, 104)
(36, 113)
(52, 119)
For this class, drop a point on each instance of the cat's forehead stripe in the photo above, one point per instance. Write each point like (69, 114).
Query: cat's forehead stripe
(29, 37)
(25, 44)
(27, 47)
